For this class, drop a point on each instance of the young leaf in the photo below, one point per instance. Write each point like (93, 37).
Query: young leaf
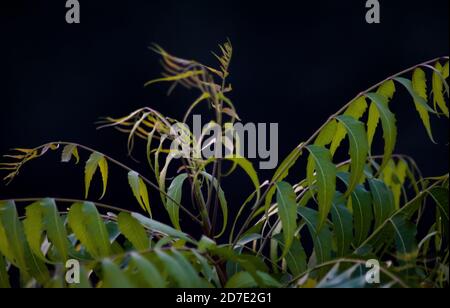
(95, 161)
(133, 231)
(140, 191)
(383, 201)
(389, 125)
(287, 210)
(359, 149)
(343, 225)
(438, 90)
(356, 110)
(69, 151)
(326, 180)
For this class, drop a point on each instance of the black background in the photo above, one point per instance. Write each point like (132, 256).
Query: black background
(295, 63)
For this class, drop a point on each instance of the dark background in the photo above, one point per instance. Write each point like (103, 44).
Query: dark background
(295, 63)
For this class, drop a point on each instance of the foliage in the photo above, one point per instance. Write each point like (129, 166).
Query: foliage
(319, 232)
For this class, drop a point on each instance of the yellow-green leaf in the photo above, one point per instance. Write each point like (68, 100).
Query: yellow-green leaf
(419, 85)
(438, 90)
(356, 110)
(133, 231)
(140, 191)
(388, 122)
(95, 161)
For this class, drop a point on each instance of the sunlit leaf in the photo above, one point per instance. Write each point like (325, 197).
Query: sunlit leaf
(96, 160)
(139, 190)
(133, 231)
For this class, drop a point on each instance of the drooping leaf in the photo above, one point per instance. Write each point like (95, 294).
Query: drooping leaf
(247, 166)
(383, 201)
(287, 210)
(296, 259)
(388, 122)
(140, 191)
(96, 160)
(356, 110)
(387, 90)
(34, 228)
(322, 239)
(359, 149)
(326, 180)
(133, 231)
(175, 193)
(343, 225)
(418, 90)
(438, 90)
(89, 229)
(68, 152)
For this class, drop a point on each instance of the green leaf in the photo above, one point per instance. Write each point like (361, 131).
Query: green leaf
(14, 246)
(140, 191)
(359, 149)
(287, 210)
(405, 239)
(247, 166)
(222, 201)
(162, 228)
(4, 277)
(361, 203)
(89, 228)
(387, 90)
(383, 201)
(322, 239)
(175, 193)
(56, 231)
(34, 228)
(440, 196)
(343, 225)
(146, 271)
(326, 180)
(113, 277)
(389, 125)
(356, 110)
(281, 173)
(241, 280)
(438, 90)
(296, 259)
(96, 160)
(133, 231)
(180, 269)
(445, 72)
(418, 90)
